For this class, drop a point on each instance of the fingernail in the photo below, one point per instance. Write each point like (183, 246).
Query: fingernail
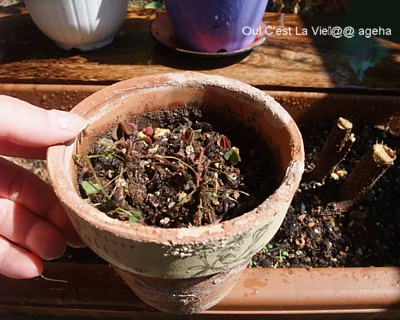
(34, 271)
(68, 121)
(57, 253)
(77, 245)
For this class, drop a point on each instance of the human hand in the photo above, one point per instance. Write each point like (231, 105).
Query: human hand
(33, 225)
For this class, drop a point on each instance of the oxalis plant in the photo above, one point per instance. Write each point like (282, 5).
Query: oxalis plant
(156, 176)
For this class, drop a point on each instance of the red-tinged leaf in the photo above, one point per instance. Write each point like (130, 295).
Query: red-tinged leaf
(147, 139)
(188, 136)
(224, 142)
(148, 131)
(128, 127)
(115, 134)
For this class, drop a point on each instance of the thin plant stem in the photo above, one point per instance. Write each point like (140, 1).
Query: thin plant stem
(97, 178)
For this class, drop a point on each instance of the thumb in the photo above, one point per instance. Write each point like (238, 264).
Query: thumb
(26, 125)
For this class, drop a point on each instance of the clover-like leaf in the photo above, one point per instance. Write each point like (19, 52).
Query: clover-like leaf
(90, 187)
(135, 216)
(233, 156)
(154, 5)
(182, 197)
(104, 142)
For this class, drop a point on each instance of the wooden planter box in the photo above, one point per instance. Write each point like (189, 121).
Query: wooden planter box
(335, 293)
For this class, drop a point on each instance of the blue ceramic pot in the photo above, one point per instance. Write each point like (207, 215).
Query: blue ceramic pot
(215, 25)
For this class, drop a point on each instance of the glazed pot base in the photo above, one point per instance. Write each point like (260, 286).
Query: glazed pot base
(88, 47)
(162, 30)
(182, 296)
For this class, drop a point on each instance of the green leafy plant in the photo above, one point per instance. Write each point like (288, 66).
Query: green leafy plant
(122, 173)
(147, 4)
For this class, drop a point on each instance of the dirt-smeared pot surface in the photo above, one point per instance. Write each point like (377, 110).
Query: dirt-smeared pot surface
(183, 252)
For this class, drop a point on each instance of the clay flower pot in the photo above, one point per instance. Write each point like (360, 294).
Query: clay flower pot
(215, 26)
(182, 270)
(82, 24)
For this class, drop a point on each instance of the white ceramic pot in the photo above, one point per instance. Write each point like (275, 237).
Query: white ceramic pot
(82, 24)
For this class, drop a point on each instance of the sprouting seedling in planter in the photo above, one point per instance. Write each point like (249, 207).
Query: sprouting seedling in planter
(160, 177)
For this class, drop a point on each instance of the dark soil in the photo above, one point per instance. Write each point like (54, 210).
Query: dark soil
(314, 234)
(174, 169)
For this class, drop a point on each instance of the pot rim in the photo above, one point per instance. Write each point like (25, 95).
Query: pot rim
(59, 158)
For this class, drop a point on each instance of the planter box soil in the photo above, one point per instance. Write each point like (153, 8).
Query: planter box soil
(316, 234)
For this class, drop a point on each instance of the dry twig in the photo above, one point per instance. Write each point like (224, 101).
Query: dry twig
(368, 170)
(335, 149)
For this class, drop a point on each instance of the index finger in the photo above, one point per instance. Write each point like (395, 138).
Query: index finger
(26, 125)
(28, 190)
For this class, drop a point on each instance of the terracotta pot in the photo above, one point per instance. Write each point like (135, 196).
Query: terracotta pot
(82, 24)
(182, 295)
(216, 26)
(183, 253)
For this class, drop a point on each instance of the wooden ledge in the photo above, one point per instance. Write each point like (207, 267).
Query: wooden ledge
(302, 106)
(283, 62)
